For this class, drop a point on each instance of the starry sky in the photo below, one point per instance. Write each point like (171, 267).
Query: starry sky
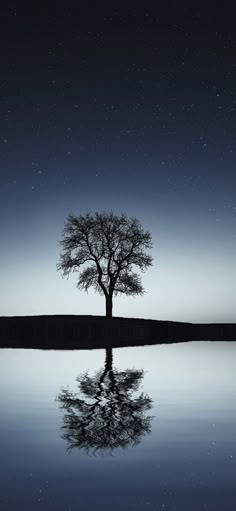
(130, 109)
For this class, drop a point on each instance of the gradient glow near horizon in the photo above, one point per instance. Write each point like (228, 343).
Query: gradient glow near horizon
(144, 125)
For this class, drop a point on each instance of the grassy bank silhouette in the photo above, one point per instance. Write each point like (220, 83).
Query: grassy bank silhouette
(87, 332)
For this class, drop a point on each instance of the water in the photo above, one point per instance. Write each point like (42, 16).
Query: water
(129, 429)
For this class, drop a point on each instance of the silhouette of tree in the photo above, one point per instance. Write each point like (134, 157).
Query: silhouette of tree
(108, 247)
(105, 415)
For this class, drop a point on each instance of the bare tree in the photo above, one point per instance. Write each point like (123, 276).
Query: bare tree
(108, 247)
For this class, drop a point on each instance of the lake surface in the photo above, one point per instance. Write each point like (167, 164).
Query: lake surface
(131, 429)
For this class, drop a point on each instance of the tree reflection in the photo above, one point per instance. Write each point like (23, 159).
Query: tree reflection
(106, 414)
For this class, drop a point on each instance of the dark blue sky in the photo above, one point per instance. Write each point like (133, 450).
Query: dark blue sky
(131, 109)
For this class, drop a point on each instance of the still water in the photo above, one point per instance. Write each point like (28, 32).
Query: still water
(131, 429)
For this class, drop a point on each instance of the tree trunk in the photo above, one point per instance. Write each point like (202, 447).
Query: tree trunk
(109, 306)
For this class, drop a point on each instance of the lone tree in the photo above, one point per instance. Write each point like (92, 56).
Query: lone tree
(104, 249)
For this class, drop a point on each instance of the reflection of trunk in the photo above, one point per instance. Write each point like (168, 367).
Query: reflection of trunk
(109, 360)
(109, 306)
(107, 368)
(109, 371)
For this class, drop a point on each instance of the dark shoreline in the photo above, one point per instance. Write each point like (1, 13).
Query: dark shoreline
(87, 332)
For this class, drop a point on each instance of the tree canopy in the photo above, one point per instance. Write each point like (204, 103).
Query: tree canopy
(104, 249)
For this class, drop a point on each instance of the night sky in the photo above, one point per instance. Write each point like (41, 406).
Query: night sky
(126, 109)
